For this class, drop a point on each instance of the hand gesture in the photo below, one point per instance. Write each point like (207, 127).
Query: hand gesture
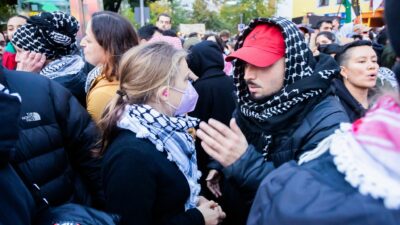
(31, 61)
(212, 213)
(213, 179)
(224, 144)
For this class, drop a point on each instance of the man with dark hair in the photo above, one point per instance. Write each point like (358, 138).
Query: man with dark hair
(164, 21)
(324, 25)
(146, 32)
(285, 105)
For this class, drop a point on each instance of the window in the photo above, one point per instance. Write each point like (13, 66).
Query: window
(323, 3)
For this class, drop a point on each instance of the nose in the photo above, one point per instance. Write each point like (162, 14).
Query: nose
(373, 65)
(83, 42)
(249, 72)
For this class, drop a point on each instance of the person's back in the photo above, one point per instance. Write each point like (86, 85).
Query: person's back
(350, 178)
(17, 204)
(56, 138)
(215, 89)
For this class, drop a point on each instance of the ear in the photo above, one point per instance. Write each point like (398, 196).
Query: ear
(163, 93)
(343, 72)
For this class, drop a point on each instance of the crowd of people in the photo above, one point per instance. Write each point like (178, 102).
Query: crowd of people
(281, 124)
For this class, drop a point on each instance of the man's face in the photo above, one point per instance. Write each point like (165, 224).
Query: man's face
(335, 24)
(265, 81)
(326, 27)
(164, 23)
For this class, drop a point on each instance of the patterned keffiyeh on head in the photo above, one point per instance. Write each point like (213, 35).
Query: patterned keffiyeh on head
(306, 82)
(52, 34)
(170, 135)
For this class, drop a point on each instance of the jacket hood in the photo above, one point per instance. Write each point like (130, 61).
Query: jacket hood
(205, 59)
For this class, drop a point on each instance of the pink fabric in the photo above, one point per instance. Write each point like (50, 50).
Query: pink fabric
(228, 67)
(380, 128)
(174, 41)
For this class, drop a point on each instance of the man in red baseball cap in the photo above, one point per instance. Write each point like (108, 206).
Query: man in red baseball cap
(285, 107)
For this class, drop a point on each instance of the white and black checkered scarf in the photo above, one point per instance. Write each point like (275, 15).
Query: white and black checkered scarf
(52, 34)
(169, 135)
(306, 84)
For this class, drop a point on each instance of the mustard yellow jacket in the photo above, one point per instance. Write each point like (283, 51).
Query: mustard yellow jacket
(99, 95)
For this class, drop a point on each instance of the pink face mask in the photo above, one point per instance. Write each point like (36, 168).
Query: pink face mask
(188, 100)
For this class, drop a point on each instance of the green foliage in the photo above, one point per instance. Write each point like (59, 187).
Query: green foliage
(130, 15)
(228, 16)
(6, 11)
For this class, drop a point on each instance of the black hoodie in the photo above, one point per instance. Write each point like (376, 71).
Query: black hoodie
(215, 89)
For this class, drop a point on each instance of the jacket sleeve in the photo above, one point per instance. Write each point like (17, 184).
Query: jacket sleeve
(248, 171)
(130, 183)
(321, 127)
(80, 136)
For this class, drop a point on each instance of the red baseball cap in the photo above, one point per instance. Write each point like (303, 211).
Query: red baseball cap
(262, 47)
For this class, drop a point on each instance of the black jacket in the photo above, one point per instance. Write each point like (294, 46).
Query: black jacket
(143, 186)
(315, 193)
(251, 168)
(55, 141)
(353, 108)
(16, 204)
(215, 89)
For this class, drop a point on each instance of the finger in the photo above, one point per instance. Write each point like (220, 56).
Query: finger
(212, 152)
(235, 128)
(218, 190)
(31, 56)
(43, 58)
(211, 142)
(221, 128)
(213, 133)
(37, 57)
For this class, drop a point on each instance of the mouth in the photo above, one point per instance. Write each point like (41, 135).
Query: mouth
(252, 87)
(373, 75)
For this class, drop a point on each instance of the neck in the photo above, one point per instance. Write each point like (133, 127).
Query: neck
(161, 108)
(360, 94)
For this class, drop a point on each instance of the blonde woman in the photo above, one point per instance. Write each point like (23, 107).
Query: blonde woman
(108, 37)
(150, 170)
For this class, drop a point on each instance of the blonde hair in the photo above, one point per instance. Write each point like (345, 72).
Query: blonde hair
(142, 71)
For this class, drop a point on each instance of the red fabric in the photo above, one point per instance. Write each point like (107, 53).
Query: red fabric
(263, 46)
(9, 60)
(380, 127)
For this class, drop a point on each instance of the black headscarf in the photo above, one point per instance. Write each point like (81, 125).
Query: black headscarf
(306, 84)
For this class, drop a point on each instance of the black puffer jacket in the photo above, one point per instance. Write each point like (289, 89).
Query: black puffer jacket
(16, 204)
(56, 139)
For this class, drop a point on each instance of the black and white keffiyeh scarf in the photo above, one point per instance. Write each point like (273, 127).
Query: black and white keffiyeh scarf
(169, 135)
(66, 65)
(306, 83)
(93, 74)
(53, 34)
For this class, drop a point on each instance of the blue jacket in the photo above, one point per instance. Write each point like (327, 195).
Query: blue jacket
(251, 168)
(315, 193)
(55, 141)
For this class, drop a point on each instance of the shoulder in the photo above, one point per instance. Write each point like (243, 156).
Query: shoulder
(21, 79)
(126, 145)
(328, 111)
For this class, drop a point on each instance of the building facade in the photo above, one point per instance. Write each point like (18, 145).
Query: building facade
(323, 7)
